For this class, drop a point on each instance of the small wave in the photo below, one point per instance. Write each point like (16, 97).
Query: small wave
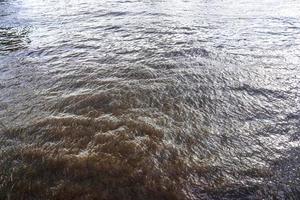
(12, 39)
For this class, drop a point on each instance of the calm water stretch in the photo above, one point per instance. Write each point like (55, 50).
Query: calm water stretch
(149, 99)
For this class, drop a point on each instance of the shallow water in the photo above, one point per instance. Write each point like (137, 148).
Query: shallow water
(144, 99)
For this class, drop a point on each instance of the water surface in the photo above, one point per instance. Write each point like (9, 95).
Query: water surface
(143, 99)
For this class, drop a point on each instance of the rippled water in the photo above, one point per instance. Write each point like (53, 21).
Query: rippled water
(144, 99)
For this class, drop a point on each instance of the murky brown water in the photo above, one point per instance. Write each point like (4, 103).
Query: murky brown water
(144, 99)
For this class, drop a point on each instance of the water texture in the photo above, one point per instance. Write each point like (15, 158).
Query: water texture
(149, 99)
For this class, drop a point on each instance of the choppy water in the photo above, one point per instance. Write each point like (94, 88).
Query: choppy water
(146, 99)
